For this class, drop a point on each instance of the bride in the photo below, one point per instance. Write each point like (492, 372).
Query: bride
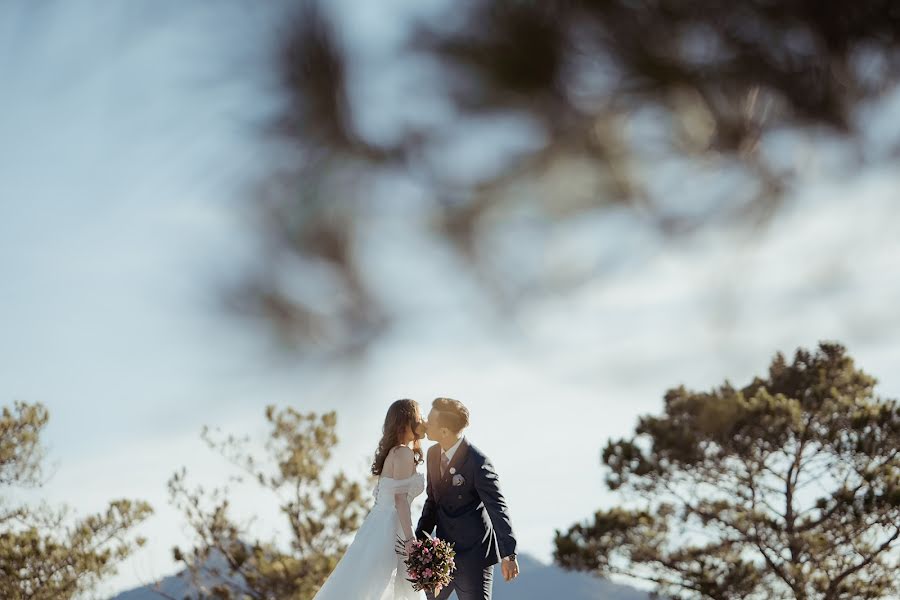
(371, 568)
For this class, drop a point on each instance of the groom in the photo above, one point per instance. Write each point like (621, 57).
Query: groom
(464, 502)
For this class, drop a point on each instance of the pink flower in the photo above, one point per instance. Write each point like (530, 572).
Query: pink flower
(428, 572)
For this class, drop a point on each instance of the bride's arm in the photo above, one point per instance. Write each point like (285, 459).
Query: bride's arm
(404, 465)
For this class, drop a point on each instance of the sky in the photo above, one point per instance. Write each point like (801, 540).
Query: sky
(126, 152)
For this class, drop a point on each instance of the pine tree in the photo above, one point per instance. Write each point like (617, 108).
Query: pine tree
(226, 561)
(43, 554)
(786, 488)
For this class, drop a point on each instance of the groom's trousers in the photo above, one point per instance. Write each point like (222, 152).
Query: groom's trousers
(469, 585)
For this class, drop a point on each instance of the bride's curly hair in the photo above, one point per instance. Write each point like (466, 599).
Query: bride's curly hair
(400, 413)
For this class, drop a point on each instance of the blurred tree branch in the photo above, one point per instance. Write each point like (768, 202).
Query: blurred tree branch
(710, 81)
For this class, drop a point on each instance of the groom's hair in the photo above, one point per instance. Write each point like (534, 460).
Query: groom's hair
(452, 414)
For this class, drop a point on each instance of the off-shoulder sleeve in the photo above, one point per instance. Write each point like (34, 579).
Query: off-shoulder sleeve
(414, 483)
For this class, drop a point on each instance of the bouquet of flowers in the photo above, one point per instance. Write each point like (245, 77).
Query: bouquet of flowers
(429, 563)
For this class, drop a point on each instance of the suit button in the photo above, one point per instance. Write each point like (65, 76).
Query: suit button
(460, 496)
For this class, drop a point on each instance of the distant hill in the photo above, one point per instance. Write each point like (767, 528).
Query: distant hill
(176, 586)
(537, 581)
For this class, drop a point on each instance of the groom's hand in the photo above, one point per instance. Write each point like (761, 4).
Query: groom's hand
(510, 569)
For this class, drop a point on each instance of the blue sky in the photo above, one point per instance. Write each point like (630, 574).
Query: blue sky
(124, 155)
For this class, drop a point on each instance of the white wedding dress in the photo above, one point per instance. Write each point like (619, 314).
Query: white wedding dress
(371, 569)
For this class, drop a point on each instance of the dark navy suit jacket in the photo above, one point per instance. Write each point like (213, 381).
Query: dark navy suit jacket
(467, 507)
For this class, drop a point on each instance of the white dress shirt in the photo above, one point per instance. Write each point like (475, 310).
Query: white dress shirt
(452, 449)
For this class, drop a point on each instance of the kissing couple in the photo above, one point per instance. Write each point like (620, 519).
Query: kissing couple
(463, 506)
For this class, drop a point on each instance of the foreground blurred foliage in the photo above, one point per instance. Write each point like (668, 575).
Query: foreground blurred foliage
(682, 115)
(227, 560)
(786, 488)
(43, 555)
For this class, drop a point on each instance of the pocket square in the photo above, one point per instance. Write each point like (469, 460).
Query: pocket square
(458, 480)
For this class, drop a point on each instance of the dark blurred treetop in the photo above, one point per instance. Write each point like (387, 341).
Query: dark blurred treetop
(615, 89)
